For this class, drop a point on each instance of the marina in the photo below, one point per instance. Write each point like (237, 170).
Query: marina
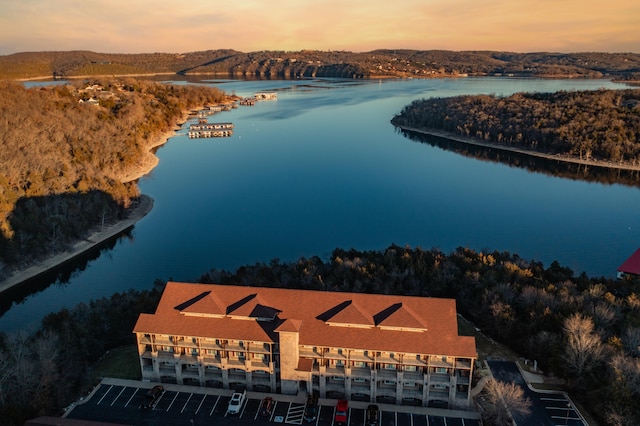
(210, 130)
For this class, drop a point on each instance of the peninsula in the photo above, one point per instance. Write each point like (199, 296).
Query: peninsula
(70, 171)
(597, 128)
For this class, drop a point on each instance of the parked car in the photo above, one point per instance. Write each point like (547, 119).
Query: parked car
(373, 415)
(151, 397)
(342, 409)
(311, 408)
(235, 404)
(266, 406)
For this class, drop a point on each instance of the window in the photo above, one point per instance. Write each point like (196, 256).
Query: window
(410, 368)
(338, 378)
(339, 363)
(358, 363)
(389, 382)
(194, 351)
(439, 386)
(339, 351)
(359, 379)
(390, 366)
(441, 370)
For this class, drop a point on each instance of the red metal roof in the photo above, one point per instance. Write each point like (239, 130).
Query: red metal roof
(632, 264)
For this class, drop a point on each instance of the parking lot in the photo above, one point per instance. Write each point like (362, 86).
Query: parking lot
(120, 403)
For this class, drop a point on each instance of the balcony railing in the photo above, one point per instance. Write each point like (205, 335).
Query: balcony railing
(144, 340)
(337, 370)
(438, 362)
(463, 363)
(360, 372)
(309, 353)
(257, 348)
(259, 364)
(334, 355)
(210, 344)
(360, 357)
(439, 378)
(415, 376)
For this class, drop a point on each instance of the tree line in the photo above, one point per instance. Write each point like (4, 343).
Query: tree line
(68, 153)
(585, 330)
(379, 62)
(588, 125)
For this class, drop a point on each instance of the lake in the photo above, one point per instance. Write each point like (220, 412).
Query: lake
(321, 167)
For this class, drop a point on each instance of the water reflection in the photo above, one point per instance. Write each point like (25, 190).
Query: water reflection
(61, 275)
(573, 171)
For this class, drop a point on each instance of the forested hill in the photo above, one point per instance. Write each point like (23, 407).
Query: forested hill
(601, 126)
(69, 154)
(313, 63)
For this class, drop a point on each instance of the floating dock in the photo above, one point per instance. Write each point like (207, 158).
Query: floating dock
(210, 130)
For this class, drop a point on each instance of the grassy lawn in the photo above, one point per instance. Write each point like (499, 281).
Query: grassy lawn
(120, 363)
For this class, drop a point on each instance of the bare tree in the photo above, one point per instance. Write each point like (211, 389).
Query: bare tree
(503, 402)
(584, 349)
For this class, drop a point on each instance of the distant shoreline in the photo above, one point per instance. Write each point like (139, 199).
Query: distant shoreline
(556, 157)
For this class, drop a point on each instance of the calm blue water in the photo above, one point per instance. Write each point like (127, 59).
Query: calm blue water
(322, 168)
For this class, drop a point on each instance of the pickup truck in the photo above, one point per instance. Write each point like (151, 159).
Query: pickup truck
(236, 402)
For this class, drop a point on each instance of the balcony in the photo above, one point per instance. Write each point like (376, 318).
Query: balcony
(236, 363)
(334, 355)
(144, 340)
(439, 378)
(360, 357)
(184, 343)
(163, 340)
(188, 359)
(439, 363)
(309, 353)
(416, 376)
(190, 372)
(414, 361)
(388, 360)
(387, 374)
(259, 364)
(462, 380)
(165, 356)
(212, 360)
(336, 370)
(210, 344)
(463, 363)
(439, 394)
(235, 348)
(360, 372)
(258, 348)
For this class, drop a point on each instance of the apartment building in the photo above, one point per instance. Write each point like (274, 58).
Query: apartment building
(367, 347)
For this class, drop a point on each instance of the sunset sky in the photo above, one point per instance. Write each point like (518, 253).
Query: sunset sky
(136, 26)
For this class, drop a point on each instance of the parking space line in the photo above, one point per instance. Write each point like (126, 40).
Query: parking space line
(185, 404)
(116, 398)
(172, 401)
(200, 405)
(244, 407)
(214, 407)
(134, 394)
(105, 394)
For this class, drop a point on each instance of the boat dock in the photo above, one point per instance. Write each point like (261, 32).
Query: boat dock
(210, 130)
